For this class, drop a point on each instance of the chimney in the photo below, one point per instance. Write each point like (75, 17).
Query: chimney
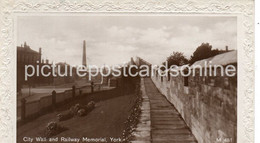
(132, 60)
(47, 61)
(40, 54)
(84, 58)
(226, 48)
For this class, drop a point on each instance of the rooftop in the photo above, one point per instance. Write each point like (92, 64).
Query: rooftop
(221, 59)
(26, 48)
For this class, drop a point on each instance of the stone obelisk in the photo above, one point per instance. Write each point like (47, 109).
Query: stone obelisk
(84, 58)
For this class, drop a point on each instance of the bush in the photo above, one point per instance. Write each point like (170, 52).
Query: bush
(74, 109)
(53, 128)
(91, 105)
(82, 112)
(65, 116)
(77, 110)
(87, 108)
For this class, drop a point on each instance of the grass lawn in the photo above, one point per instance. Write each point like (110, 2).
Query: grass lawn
(106, 120)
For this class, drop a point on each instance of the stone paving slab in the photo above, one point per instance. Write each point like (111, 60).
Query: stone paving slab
(171, 132)
(167, 126)
(140, 142)
(173, 141)
(142, 133)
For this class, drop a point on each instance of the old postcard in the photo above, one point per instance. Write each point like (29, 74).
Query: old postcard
(125, 71)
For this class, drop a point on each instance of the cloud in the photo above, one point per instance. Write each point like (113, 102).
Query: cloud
(115, 39)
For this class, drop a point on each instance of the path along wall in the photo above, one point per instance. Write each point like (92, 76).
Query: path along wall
(207, 104)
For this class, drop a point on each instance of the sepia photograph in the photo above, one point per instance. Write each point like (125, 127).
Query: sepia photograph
(139, 78)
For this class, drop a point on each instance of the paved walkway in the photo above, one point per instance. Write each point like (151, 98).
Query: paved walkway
(142, 133)
(167, 126)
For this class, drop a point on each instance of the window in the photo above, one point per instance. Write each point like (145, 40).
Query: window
(186, 78)
(169, 76)
(186, 81)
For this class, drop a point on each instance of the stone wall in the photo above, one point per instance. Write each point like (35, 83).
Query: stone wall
(207, 104)
(33, 109)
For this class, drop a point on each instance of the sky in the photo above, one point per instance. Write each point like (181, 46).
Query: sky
(115, 39)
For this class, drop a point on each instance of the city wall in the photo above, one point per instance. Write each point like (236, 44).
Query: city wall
(207, 104)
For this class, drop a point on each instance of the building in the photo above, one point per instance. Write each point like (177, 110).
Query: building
(70, 76)
(25, 55)
(28, 56)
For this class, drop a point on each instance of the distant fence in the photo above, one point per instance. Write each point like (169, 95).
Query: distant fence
(33, 109)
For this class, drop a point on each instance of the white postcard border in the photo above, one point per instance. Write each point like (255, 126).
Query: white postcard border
(243, 8)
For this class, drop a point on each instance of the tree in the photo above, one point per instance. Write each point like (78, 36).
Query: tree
(204, 51)
(176, 58)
